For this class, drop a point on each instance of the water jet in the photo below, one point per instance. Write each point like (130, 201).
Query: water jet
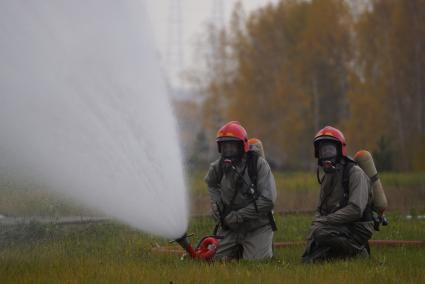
(84, 110)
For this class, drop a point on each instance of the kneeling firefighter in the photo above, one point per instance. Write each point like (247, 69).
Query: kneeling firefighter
(343, 222)
(243, 192)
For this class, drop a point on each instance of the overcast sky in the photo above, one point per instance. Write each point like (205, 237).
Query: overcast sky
(195, 15)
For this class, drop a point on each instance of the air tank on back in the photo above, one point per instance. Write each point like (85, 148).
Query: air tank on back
(365, 161)
(256, 145)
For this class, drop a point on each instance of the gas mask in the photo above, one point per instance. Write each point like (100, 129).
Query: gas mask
(328, 157)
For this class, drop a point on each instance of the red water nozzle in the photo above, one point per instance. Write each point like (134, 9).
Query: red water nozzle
(205, 250)
(184, 243)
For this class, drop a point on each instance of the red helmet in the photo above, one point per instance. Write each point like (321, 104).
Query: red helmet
(233, 131)
(332, 134)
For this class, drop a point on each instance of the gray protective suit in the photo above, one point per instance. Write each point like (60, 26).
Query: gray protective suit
(247, 233)
(341, 231)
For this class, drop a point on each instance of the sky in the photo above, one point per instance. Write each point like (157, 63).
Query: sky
(195, 15)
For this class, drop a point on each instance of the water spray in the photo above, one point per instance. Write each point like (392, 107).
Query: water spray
(93, 120)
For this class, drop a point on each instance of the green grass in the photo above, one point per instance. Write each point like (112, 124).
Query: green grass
(114, 253)
(16, 201)
(297, 191)
(403, 180)
(308, 181)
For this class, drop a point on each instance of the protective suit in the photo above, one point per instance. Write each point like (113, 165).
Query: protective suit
(340, 232)
(244, 225)
(342, 223)
(243, 217)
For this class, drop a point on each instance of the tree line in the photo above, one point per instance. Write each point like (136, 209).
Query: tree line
(289, 69)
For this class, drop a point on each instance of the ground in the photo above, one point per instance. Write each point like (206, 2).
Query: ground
(113, 253)
(108, 252)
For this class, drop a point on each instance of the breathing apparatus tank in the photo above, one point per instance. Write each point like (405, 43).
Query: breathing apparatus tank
(365, 161)
(256, 145)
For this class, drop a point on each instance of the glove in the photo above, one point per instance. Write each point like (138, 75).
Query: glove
(233, 220)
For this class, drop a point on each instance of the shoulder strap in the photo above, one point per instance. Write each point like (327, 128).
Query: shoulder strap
(349, 164)
(367, 214)
(252, 172)
(252, 162)
(219, 171)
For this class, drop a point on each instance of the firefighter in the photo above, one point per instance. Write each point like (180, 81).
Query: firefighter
(243, 193)
(342, 223)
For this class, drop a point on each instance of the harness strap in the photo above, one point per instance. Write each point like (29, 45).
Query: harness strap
(346, 182)
(252, 172)
(251, 165)
(374, 178)
(367, 213)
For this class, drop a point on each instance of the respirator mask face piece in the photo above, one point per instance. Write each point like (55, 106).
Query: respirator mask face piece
(231, 150)
(328, 156)
(231, 154)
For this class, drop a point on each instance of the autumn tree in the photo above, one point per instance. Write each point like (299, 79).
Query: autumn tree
(289, 75)
(387, 94)
(289, 69)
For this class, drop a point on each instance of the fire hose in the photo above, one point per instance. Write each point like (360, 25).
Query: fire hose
(207, 247)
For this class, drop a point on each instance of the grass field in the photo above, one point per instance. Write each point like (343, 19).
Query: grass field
(297, 192)
(308, 180)
(114, 253)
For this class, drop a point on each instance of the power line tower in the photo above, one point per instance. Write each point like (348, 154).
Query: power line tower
(215, 58)
(174, 54)
(216, 24)
(217, 14)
